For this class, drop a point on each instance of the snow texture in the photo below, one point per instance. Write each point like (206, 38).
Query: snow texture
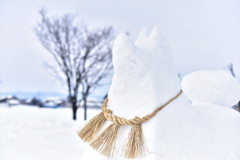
(144, 78)
(215, 87)
(32, 133)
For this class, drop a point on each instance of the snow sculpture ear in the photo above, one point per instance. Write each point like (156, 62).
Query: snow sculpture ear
(119, 43)
(125, 52)
(157, 38)
(156, 34)
(141, 37)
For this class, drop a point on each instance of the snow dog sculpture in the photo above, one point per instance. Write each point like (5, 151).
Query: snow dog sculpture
(144, 79)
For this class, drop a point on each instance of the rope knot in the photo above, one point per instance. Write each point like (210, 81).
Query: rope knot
(137, 120)
(109, 111)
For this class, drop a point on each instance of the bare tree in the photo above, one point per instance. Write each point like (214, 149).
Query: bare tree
(83, 56)
(97, 64)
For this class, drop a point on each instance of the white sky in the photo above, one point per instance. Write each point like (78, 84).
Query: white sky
(203, 34)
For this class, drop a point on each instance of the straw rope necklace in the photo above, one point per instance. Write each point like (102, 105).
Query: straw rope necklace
(105, 142)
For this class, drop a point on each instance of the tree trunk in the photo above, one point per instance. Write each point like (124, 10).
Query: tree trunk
(74, 113)
(74, 107)
(85, 107)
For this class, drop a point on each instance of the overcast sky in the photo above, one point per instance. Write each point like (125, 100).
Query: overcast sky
(203, 34)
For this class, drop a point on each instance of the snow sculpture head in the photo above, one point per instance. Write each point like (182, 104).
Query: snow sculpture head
(144, 73)
(148, 51)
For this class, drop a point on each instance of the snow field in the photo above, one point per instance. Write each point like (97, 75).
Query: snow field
(29, 133)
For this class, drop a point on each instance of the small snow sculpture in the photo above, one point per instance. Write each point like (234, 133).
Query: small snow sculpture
(215, 87)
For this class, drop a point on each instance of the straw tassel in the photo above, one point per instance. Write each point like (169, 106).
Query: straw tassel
(91, 128)
(105, 142)
(134, 148)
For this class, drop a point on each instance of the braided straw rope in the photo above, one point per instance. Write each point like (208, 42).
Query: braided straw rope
(104, 143)
(137, 120)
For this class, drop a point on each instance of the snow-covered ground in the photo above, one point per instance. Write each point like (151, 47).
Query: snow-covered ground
(31, 133)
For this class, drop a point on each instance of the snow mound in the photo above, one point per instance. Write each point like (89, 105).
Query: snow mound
(215, 87)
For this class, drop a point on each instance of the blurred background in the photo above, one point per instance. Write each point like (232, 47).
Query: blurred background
(55, 61)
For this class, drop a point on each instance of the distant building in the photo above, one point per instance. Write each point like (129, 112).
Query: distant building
(10, 100)
(54, 102)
